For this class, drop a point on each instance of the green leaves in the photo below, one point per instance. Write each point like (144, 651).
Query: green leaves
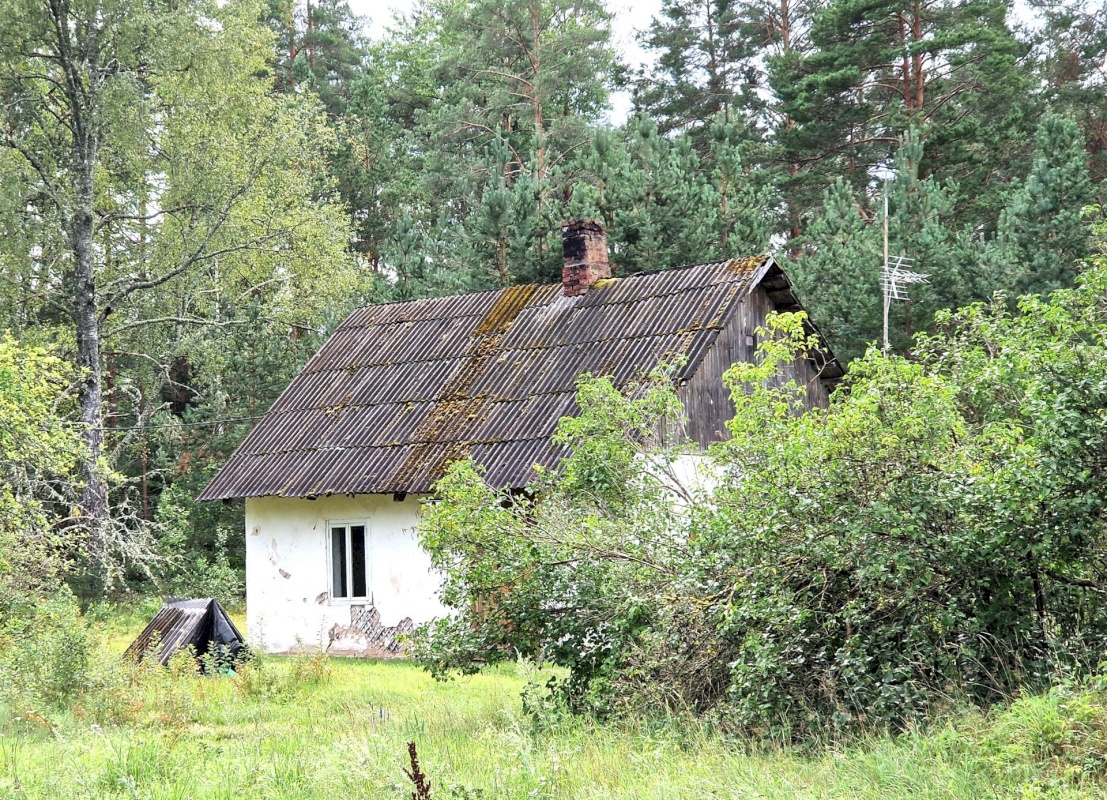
(607, 440)
(39, 451)
(570, 570)
(937, 532)
(938, 526)
(160, 197)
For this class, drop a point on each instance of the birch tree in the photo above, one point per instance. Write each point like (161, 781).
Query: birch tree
(159, 181)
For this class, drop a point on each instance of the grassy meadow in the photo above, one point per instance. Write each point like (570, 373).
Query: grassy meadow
(304, 727)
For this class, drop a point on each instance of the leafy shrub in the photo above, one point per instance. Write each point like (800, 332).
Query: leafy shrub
(937, 534)
(933, 534)
(566, 579)
(544, 702)
(39, 451)
(113, 692)
(44, 649)
(1063, 731)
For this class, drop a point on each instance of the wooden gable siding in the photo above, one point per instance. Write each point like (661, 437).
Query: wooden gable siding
(707, 403)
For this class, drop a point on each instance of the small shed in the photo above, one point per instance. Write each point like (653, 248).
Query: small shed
(202, 624)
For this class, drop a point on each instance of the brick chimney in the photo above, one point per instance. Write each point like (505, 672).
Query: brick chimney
(584, 247)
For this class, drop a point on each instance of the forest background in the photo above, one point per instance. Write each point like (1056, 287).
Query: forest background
(195, 193)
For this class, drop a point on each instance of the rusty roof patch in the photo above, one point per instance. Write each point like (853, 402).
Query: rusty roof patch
(402, 389)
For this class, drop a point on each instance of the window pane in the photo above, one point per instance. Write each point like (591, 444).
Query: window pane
(338, 562)
(357, 555)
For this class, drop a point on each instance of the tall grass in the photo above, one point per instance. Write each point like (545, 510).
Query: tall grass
(305, 728)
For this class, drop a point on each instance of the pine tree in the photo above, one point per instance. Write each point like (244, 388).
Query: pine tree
(320, 46)
(500, 230)
(743, 194)
(370, 174)
(663, 215)
(1042, 230)
(838, 274)
(704, 70)
(876, 68)
(664, 207)
(924, 226)
(711, 69)
(1070, 58)
(516, 83)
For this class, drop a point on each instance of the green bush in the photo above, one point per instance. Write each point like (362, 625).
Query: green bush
(45, 646)
(1049, 742)
(936, 535)
(564, 579)
(933, 534)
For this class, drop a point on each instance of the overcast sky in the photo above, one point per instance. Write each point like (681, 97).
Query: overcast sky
(630, 17)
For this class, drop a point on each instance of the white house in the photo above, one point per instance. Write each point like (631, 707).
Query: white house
(334, 474)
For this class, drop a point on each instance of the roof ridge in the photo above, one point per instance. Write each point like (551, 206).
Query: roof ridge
(632, 276)
(581, 343)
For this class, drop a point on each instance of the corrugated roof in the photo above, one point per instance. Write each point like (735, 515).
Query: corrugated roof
(400, 390)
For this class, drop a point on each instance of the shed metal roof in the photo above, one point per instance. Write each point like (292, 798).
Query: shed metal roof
(402, 389)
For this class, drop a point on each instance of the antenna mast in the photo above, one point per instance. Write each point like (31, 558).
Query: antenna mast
(895, 277)
(887, 298)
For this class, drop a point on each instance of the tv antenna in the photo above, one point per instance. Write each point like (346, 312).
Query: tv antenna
(896, 275)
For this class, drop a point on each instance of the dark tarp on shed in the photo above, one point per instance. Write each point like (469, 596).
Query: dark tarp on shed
(202, 623)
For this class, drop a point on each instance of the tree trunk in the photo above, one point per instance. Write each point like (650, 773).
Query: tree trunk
(501, 258)
(785, 25)
(80, 64)
(905, 67)
(94, 493)
(719, 88)
(310, 36)
(536, 98)
(794, 229)
(917, 61)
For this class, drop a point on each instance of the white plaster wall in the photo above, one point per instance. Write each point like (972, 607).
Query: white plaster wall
(288, 573)
(691, 473)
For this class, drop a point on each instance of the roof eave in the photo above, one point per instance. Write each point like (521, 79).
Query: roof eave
(786, 299)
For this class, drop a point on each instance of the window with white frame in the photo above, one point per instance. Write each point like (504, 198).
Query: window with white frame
(349, 547)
